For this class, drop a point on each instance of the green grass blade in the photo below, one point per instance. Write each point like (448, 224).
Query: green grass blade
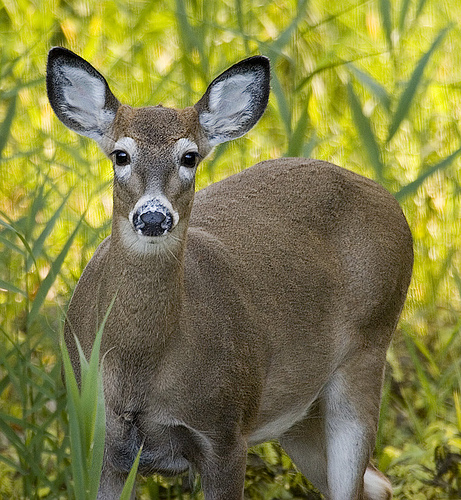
(5, 127)
(421, 5)
(403, 15)
(11, 93)
(189, 39)
(51, 276)
(11, 288)
(296, 140)
(284, 38)
(78, 462)
(12, 246)
(12, 437)
(98, 441)
(310, 145)
(90, 373)
(241, 24)
(409, 93)
(13, 465)
(93, 401)
(372, 85)
(413, 186)
(11, 226)
(365, 132)
(430, 393)
(39, 201)
(385, 10)
(129, 484)
(40, 241)
(284, 108)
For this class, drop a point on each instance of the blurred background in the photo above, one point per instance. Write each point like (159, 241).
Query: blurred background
(373, 86)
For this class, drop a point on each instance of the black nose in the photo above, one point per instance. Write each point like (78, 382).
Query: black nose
(153, 223)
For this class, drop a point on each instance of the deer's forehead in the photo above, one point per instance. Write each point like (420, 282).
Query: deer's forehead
(156, 126)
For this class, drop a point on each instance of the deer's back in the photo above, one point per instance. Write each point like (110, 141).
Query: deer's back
(298, 259)
(307, 239)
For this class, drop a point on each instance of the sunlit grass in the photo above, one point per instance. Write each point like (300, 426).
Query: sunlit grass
(372, 86)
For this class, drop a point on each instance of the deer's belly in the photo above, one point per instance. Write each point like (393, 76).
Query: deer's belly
(167, 451)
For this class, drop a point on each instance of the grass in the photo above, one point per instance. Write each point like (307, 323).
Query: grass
(370, 85)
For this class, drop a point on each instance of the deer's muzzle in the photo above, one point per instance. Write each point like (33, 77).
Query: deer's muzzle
(152, 220)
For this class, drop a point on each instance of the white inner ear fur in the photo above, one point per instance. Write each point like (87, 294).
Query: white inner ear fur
(181, 147)
(84, 99)
(230, 106)
(128, 145)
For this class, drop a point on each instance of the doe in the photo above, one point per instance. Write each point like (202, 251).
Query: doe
(261, 310)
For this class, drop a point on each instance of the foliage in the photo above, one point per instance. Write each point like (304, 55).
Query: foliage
(370, 85)
(87, 419)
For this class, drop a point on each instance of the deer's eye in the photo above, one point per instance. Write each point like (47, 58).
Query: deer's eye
(190, 159)
(121, 158)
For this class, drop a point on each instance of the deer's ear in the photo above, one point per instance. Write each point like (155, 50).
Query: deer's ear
(78, 94)
(235, 100)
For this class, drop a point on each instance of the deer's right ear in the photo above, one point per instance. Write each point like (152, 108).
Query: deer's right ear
(79, 95)
(235, 100)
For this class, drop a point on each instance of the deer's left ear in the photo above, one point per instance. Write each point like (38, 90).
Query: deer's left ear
(79, 94)
(235, 100)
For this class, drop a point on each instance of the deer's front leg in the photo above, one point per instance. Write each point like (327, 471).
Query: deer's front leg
(222, 471)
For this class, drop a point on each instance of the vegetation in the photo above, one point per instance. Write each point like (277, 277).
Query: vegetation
(372, 85)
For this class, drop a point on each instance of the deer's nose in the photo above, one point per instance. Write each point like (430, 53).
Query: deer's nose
(153, 222)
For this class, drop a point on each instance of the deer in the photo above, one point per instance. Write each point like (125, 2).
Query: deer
(259, 308)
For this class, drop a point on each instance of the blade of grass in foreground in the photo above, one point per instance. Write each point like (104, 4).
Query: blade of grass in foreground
(75, 417)
(87, 420)
(129, 484)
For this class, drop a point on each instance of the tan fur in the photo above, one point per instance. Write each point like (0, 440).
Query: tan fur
(265, 313)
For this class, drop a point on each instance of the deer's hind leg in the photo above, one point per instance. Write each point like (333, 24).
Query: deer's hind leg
(305, 443)
(332, 446)
(351, 402)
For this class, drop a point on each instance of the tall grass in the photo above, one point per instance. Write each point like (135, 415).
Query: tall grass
(370, 85)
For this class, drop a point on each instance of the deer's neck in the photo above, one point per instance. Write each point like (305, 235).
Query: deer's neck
(148, 283)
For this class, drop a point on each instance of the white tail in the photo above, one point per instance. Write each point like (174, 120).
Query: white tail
(261, 310)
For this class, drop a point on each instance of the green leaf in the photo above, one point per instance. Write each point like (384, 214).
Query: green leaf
(11, 288)
(51, 276)
(429, 391)
(93, 401)
(40, 241)
(366, 133)
(373, 86)
(284, 108)
(410, 91)
(412, 187)
(6, 125)
(284, 38)
(129, 484)
(189, 37)
(385, 10)
(296, 140)
(78, 462)
(403, 15)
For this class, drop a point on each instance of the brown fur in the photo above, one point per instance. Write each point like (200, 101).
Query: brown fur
(266, 314)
